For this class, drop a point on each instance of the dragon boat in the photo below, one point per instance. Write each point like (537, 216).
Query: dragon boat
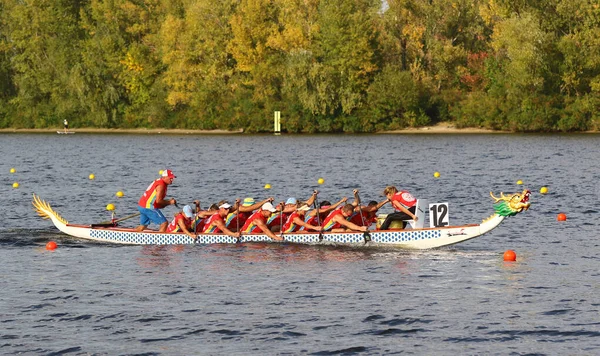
(417, 237)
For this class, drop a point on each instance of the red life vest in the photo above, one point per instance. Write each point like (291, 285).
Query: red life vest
(275, 219)
(329, 224)
(357, 220)
(232, 220)
(289, 225)
(210, 226)
(148, 199)
(312, 220)
(198, 224)
(250, 225)
(174, 225)
(404, 198)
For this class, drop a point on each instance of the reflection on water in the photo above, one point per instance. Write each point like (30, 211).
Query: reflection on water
(264, 298)
(160, 256)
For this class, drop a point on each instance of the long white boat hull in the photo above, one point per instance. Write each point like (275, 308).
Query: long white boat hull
(419, 239)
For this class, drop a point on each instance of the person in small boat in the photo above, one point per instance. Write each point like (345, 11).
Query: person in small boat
(369, 212)
(257, 222)
(216, 223)
(337, 220)
(296, 221)
(182, 222)
(153, 200)
(240, 213)
(66, 125)
(404, 204)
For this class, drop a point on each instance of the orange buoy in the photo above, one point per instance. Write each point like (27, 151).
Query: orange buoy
(51, 245)
(561, 217)
(510, 255)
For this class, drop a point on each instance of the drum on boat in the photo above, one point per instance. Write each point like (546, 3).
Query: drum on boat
(394, 225)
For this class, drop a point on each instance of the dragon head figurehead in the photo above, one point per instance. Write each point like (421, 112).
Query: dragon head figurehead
(511, 205)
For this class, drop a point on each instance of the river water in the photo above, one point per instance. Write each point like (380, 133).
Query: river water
(89, 298)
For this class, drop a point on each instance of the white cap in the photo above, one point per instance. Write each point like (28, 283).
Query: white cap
(303, 208)
(269, 207)
(224, 206)
(188, 212)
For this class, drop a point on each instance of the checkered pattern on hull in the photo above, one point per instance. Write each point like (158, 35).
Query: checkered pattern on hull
(137, 238)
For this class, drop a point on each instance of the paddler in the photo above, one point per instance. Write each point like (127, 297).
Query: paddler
(289, 207)
(182, 222)
(153, 200)
(216, 223)
(257, 222)
(240, 213)
(337, 220)
(325, 207)
(202, 216)
(365, 215)
(296, 221)
(403, 202)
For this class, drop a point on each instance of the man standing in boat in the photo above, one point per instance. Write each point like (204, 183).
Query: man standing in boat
(153, 200)
(66, 125)
(403, 202)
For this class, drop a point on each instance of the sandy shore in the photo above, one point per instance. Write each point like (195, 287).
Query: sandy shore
(440, 128)
(444, 128)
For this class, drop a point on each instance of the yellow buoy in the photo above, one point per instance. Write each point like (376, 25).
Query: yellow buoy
(110, 207)
(15, 185)
(160, 172)
(436, 174)
(543, 190)
(119, 194)
(92, 176)
(267, 186)
(321, 181)
(519, 182)
(12, 170)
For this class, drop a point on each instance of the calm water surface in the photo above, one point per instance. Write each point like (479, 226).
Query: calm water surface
(89, 298)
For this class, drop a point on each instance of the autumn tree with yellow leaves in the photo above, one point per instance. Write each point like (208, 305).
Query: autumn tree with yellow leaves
(328, 66)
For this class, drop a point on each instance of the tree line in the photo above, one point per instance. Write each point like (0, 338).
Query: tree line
(328, 66)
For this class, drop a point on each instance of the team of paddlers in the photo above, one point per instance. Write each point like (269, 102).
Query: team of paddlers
(248, 216)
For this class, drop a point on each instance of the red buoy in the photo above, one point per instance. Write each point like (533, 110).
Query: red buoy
(510, 255)
(51, 245)
(561, 217)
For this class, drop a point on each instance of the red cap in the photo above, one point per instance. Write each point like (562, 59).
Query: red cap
(168, 173)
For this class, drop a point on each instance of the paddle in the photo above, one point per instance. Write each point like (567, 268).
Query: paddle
(318, 216)
(366, 235)
(237, 219)
(282, 205)
(113, 223)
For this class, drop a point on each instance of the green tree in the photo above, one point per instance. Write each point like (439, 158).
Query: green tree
(42, 39)
(198, 68)
(347, 53)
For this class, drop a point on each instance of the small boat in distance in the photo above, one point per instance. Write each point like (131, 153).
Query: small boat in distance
(418, 238)
(65, 132)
